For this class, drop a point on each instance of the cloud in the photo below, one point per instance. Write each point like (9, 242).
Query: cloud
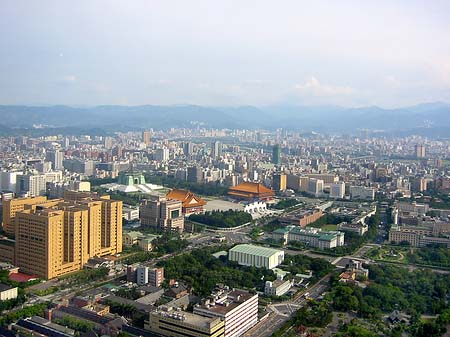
(69, 78)
(313, 87)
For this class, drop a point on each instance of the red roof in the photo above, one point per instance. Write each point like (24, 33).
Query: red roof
(20, 277)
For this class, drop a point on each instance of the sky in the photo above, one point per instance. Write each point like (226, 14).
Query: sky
(250, 52)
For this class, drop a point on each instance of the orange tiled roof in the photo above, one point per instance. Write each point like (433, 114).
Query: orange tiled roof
(249, 187)
(188, 198)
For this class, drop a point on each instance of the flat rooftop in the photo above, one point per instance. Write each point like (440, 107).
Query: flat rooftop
(255, 250)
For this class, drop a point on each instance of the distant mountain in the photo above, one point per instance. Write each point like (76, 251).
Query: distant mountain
(303, 118)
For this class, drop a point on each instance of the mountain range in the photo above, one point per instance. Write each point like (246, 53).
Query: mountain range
(427, 118)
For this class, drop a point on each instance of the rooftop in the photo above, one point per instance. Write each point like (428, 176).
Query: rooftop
(255, 250)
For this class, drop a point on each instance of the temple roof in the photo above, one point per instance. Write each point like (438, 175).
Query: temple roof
(188, 198)
(250, 188)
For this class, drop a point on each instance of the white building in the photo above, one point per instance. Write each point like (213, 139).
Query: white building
(313, 237)
(162, 154)
(8, 181)
(31, 184)
(250, 255)
(237, 308)
(362, 193)
(7, 292)
(278, 287)
(337, 190)
(315, 186)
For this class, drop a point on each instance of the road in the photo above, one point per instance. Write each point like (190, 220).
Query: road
(282, 312)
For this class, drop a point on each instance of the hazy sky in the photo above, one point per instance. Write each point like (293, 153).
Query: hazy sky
(352, 53)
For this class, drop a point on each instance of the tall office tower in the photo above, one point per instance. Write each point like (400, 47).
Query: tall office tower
(188, 148)
(279, 182)
(195, 174)
(276, 154)
(337, 190)
(31, 185)
(420, 150)
(163, 214)
(146, 137)
(109, 143)
(56, 237)
(216, 149)
(56, 157)
(66, 142)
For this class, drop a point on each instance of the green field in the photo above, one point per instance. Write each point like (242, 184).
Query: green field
(329, 227)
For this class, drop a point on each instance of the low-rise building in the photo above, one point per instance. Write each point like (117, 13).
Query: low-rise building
(7, 292)
(278, 287)
(313, 237)
(256, 256)
(301, 218)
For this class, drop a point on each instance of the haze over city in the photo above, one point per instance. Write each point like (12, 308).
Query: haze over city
(384, 53)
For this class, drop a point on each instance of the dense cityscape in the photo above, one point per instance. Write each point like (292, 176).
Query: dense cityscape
(206, 232)
(224, 168)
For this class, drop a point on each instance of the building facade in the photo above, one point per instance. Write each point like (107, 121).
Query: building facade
(256, 256)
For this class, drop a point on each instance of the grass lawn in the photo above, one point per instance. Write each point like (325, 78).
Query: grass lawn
(329, 227)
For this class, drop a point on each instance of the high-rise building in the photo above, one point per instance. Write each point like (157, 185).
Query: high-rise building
(419, 150)
(337, 190)
(109, 142)
(195, 174)
(56, 237)
(146, 137)
(56, 157)
(8, 180)
(162, 154)
(163, 214)
(31, 184)
(13, 206)
(315, 186)
(188, 148)
(279, 181)
(276, 154)
(216, 149)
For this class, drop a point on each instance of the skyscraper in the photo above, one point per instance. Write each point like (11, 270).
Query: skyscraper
(276, 154)
(420, 151)
(146, 138)
(216, 149)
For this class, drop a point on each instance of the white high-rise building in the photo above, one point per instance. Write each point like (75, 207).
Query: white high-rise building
(337, 190)
(31, 185)
(315, 186)
(8, 181)
(56, 157)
